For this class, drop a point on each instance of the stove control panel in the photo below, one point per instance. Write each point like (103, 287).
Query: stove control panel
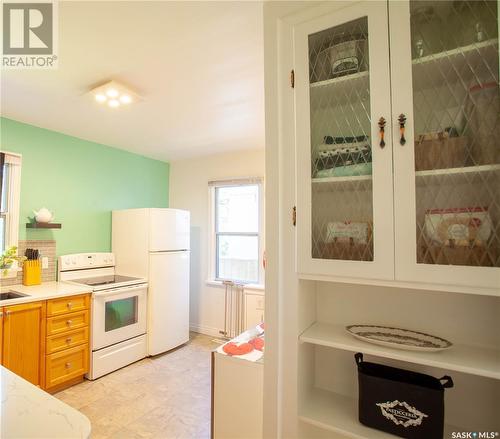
(81, 261)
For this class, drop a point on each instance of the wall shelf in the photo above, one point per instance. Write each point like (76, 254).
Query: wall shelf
(461, 358)
(339, 414)
(35, 225)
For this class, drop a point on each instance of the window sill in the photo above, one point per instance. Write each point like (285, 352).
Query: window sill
(218, 283)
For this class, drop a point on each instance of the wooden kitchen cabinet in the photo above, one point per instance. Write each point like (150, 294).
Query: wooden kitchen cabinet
(47, 342)
(23, 336)
(66, 322)
(66, 366)
(67, 342)
(65, 305)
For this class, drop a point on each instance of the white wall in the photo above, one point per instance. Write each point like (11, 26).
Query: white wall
(189, 190)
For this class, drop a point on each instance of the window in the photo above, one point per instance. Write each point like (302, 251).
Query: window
(10, 187)
(237, 238)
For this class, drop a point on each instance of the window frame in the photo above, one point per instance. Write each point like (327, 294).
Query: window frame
(13, 198)
(214, 234)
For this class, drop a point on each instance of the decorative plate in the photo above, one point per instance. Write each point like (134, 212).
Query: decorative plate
(399, 338)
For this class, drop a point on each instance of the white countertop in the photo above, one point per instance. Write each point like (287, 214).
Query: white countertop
(47, 290)
(248, 338)
(28, 412)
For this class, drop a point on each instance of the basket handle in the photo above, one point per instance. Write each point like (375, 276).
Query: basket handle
(359, 358)
(448, 382)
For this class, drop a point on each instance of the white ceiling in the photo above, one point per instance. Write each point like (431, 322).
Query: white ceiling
(197, 65)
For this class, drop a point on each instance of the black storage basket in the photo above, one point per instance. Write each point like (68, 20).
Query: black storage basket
(407, 404)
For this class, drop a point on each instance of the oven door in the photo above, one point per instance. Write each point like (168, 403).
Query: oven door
(118, 314)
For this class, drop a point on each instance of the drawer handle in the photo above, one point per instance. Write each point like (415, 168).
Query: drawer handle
(69, 340)
(69, 304)
(67, 365)
(69, 322)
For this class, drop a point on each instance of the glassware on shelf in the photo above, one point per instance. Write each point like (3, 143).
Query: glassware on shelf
(348, 55)
(472, 21)
(339, 53)
(426, 32)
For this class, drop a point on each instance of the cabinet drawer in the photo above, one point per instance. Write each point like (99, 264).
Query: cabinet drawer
(64, 305)
(67, 322)
(69, 339)
(66, 365)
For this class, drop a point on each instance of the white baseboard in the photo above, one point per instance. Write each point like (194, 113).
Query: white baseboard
(207, 330)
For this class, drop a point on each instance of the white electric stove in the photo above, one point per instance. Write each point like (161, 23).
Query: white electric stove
(119, 310)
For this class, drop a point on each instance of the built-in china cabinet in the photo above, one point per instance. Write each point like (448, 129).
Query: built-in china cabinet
(384, 126)
(397, 120)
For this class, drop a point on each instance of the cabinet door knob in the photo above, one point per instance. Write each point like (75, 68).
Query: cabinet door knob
(68, 340)
(70, 304)
(69, 322)
(1, 314)
(7, 313)
(67, 365)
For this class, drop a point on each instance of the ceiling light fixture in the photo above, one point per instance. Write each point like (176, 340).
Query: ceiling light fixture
(114, 94)
(100, 98)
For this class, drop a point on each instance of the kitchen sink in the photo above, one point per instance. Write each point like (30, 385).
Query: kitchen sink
(11, 295)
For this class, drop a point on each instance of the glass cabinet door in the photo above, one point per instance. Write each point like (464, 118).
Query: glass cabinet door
(338, 106)
(455, 136)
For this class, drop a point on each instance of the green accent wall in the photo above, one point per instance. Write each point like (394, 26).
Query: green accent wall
(81, 182)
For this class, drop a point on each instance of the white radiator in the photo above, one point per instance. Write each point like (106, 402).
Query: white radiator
(234, 309)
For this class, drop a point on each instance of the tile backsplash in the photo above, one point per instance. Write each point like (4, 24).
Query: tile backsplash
(47, 249)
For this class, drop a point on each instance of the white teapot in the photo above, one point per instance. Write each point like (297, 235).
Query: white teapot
(44, 215)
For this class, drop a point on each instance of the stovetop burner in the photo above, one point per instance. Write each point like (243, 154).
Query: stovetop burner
(105, 280)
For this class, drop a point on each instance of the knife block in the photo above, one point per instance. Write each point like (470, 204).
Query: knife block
(32, 272)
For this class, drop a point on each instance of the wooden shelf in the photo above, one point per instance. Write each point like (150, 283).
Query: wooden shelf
(36, 225)
(339, 414)
(461, 358)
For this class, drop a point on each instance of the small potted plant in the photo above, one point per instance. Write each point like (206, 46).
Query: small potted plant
(9, 262)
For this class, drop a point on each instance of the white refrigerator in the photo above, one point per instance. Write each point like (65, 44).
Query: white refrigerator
(154, 243)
